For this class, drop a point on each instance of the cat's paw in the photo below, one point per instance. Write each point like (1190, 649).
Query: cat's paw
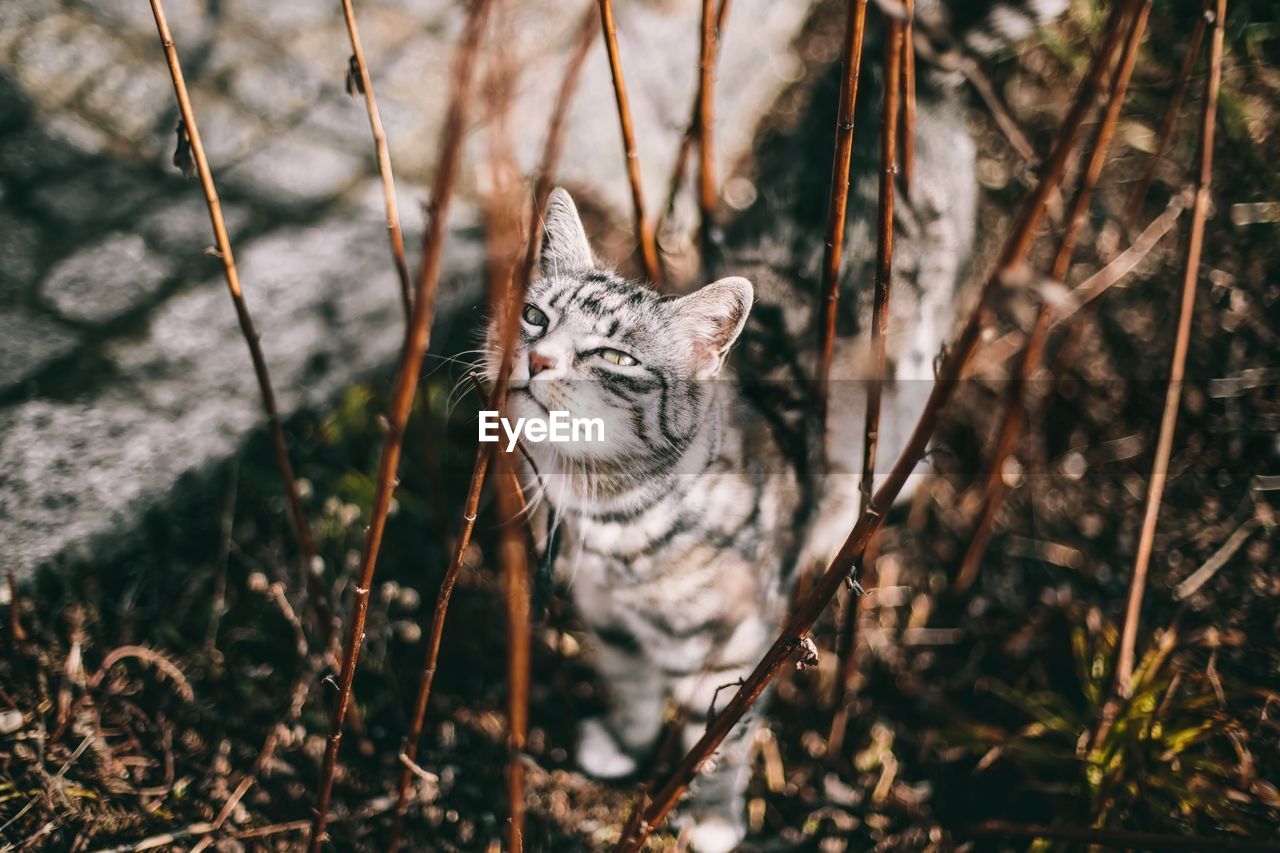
(599, 753)
(715, 835)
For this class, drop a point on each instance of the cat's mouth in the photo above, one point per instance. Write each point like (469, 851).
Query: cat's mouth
(524, 392)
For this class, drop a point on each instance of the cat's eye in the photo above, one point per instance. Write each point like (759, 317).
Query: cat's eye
(534, 316)
(618, 357)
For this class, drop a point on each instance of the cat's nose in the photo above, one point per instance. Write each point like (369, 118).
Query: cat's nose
(538, 363)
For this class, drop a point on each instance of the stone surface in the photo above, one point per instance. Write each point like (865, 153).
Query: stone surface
(106, 281)
(19, 248)
(295, 169)
(28, 343)
(122, 368)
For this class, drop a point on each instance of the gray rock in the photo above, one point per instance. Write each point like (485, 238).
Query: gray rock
(17, 18)
(79, 472)
(58, 55)
(273, 90)
(106, 281)
(182, 229)
(188, 19)
(229, 133)
(28, 342)
(296, 170)
(19, 247)
(32, 153)
(96, 197)
(130, 99)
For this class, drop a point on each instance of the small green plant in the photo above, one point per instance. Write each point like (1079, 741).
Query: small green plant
(1176, 756)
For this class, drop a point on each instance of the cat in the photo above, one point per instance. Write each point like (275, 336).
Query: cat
(717, 479)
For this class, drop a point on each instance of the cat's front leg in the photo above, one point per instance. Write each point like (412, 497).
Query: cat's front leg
(715, 811)
(612, 747)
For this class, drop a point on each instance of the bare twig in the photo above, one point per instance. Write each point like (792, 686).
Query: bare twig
(1092, 288)
(497, 394)
(908, 97)
(394, 233)
(794, 632)
(1004, 119)
(297, 518)
(1168, 421)
(996, 489)
(554, 142)
(690, 135)
(707, 193)
(149, 656)
(838, 203)
(1211, 567)
(1168, 121)
(893, 63)
(502, 231)
(415, 345)
(513, 555)
(644, 231)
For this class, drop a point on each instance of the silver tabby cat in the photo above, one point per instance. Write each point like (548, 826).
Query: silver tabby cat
(715, 482)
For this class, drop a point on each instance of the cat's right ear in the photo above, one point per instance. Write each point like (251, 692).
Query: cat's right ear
(564, 242)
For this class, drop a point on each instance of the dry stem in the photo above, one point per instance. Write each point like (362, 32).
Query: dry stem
(297, 517)
(908, 97)
(893, 63)
(384, 158)
(690, 134)
(838, 203)
(706, 121)
(1168, 421)
(794, 633)
(416, 341)
(1168, 122)
(644, 231)
(996, 489)
(497, 394)
(513, 554)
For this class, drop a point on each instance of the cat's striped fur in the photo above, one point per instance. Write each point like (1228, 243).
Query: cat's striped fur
(680, 531)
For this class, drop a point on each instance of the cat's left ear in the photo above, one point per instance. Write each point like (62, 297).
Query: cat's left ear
(711, 319)
(564, 240)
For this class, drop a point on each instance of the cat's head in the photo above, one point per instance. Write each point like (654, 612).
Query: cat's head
(594, 345)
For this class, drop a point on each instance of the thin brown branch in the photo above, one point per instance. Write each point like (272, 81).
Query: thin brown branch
(395, 235)
(1168, 122)
(707, 192)
(690, 135)
(513, 555)
(908, 97)
(644, 231)
(502, 232)
(1173, 397)
(1091, 289)
(895, 38)
(1008, 125)
(497, 394)
(297, 517)
(794, 633)
(996, 488)
(838, 202)
(554, 143)
(416, 341)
